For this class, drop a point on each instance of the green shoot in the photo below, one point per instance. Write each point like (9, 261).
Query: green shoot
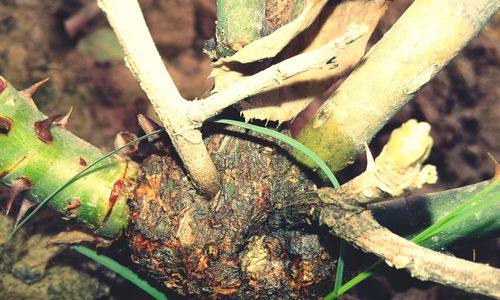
(121, 270)
(76, 177)
(465, 210)
(353, 282)
(288, 140)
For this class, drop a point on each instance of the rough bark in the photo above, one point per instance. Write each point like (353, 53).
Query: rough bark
(357, 226)
(224, 247)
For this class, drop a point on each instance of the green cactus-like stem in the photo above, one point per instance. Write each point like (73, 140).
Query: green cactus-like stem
(98, 199)
(409, 215)
(239, 22)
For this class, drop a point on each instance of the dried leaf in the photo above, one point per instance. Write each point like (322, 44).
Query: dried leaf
(269, 46)
(284, 103)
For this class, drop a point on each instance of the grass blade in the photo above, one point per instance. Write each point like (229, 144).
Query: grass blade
(76, 177)
(353, 282)
(339, 276)
(121, 270)
(463, 211)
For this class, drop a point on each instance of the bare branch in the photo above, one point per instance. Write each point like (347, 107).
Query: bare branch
(143, 59)
(424, 39)
(363, 231)
(273, 76)
(357, 226)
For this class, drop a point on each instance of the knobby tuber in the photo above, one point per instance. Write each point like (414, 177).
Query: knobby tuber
(225, 247)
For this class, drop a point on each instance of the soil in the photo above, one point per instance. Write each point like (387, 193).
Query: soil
(461, 104)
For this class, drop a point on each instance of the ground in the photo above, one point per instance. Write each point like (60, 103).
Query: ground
(461, 104)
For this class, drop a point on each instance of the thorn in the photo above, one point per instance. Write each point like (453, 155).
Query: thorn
(73, 204)
(28, 93)
(25, 206)
(77, 237)
(370, 162)
(18, 186)
(3, 85)
(124, 137)
(82, 162)
(496, 166)
(64, 120)
(42, 129)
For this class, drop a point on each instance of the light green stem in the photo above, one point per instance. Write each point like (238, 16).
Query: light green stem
(239, 22)
(100, 195)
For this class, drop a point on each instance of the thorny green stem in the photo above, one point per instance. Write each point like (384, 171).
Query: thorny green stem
(47, 159)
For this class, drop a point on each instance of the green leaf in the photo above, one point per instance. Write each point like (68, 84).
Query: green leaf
(121, 270)
(102, 45)
(465, 210)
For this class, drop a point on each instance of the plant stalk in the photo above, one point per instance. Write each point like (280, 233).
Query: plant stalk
(97, 199)
(428, 35)
(407, 216)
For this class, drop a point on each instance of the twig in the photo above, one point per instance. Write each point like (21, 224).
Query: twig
(143, 59)
(357, 226)
(364, 232)
(272, 76)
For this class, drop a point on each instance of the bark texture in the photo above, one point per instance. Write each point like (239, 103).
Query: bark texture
(224, 247)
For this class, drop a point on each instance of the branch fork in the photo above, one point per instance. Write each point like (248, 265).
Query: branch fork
(180, 117)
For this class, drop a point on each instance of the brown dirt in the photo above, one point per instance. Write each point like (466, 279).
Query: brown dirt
(105, 97)
(461, 104)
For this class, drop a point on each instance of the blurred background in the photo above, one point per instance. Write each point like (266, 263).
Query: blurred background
(70, 42)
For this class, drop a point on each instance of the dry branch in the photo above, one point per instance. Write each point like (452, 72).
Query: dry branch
(357, 226)
(273, 76)
(364, 232)
(143, 59)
